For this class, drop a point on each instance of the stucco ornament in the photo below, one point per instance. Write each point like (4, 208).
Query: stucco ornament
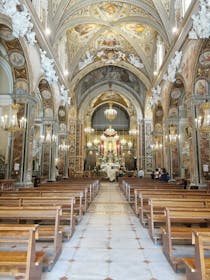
(156, 95)
(201, 22)
(21, 20)
(173, 67)
(88, 60)
(47, 66)
(134, 60)
(64, 95)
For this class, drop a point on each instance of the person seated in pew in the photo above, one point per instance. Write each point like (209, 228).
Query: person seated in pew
(141, 173)
(164, 176)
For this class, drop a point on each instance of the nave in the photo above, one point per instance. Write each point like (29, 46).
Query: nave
(110, 243)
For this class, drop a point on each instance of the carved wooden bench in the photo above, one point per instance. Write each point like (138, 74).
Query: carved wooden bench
(156, 215)
(26, 260)
(49, 229)
(144, 196)
(180, 223)
(67, 219)
(198, 267)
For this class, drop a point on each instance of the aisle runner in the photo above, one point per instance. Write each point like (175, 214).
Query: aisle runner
(110, 243)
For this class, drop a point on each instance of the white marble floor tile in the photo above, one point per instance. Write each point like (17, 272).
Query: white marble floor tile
(110, 243)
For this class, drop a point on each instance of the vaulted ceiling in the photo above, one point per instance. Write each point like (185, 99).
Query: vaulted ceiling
(98, 34)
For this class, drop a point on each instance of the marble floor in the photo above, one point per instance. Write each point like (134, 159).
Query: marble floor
(109, 243)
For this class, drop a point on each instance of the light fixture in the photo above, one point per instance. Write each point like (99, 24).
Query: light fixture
(198, 122)
(64, 147)
(157, 146)
(110, 132)
(96, 141)
(11, 122)
(123, 141)
(173, 136)
(47, 31)
(175, 30)
(116, 137)
(48, 137)
(103, 137)
(110, 113)
(89, 144)
(66, 72)
(205, 121)
(130, 144)
(133, 132)
(88, 129)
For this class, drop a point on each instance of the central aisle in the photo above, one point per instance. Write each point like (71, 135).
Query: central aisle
(110, 244)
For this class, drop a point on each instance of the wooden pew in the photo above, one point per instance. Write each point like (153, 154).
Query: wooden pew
(198, 267)
(79, 203)
(49, 226)
(7, 184)
(156, 215)
(91, 185)
(158, 192)
(144, 208)
(27, 261)
(176, 230)
(67, 219)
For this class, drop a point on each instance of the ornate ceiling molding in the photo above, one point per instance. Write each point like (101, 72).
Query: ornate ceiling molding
(141, 76)
(122, 91)
(63, 14)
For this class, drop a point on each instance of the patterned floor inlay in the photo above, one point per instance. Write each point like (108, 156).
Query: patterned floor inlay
(110, 244)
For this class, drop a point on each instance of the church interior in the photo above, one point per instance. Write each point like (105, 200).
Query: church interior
(105, 139)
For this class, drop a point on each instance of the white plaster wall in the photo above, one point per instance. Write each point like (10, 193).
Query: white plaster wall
(34, 57)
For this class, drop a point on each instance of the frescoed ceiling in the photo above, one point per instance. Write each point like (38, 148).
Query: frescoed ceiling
(118, 33)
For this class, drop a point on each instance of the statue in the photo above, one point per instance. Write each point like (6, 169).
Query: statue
(135, 61)
(88, 60)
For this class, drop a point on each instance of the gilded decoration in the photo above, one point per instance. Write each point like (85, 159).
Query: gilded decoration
(103, 31)
(110, 96)
(105, 74)
(148, 150)
(20, 73)
(21, 86)
(47, 98)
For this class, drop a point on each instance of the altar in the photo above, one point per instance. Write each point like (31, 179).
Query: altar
(111, 170)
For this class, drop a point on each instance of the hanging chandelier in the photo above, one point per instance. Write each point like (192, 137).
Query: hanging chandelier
(110, 113)
(11, 122)
(88, 129)
(64, 147)
(123, 141)
(110, 132)
(133, 132)
(173, 136)
(89, 144)
(48, 136)
(157, 146)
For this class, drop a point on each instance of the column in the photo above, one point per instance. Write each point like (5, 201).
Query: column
(26, 161)
(147, 146)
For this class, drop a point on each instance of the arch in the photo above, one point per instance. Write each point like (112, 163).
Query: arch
(82, 110)
(7, 69)
(121, 122)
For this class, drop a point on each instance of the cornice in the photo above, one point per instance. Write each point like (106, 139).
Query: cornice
(61, 18)
(42, 40)
(178, 42)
